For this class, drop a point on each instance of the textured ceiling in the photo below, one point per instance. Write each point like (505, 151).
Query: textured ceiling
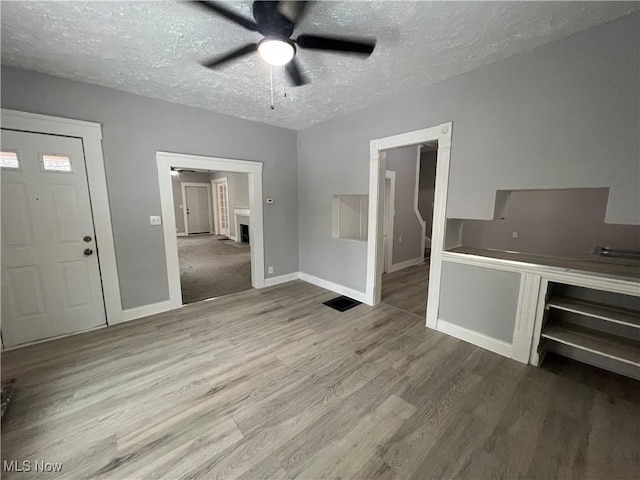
(153, 49)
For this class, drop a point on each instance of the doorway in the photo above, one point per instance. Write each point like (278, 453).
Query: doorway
(198, 216)
(59, 274)
(407, 212)
(221, 205)
(188, 248)
(213, 262)
(441, 136)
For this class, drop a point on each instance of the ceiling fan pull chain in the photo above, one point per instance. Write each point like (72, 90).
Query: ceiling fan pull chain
(271, 78)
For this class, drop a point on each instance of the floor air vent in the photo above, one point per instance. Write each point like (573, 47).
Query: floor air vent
(342, 303)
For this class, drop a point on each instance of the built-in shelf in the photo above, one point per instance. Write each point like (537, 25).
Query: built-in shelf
(621, 316)
(604, 344)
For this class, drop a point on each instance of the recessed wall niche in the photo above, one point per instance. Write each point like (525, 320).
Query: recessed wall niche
(350, 217)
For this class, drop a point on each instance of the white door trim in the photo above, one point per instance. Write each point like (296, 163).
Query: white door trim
(214, 192)
(183, 187)
(441, 133)
(167, 160)
(391, 176)
(91, 135)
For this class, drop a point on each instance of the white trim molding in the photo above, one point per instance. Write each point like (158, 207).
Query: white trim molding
(525, 316)
(407, 263)
(146, 310)
(165, 161)
(375, 258)
(334, 287)
(91, 135)
(287, 277)
(478, 339)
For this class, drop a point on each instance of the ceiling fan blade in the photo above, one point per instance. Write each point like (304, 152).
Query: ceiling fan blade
(215, 7)
(227, 57)
(292, 9)
(295, 75)
(336, 44)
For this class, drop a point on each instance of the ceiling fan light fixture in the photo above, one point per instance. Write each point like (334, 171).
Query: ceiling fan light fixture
(276, 51)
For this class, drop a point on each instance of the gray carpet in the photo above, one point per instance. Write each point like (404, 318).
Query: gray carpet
(211, 267)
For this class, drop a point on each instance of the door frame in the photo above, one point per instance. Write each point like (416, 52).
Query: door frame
(442, 134)
(166, 160)
(90, 134)
(214, 195)
(390, 175)
(183, 187)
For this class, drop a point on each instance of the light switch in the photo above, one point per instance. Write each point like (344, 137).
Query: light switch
(155, 220)
(269, 200)
(514, 234)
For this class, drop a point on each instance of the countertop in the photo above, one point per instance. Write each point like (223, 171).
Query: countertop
(630, 270)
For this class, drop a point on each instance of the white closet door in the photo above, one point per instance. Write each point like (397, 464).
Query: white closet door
(197, 209)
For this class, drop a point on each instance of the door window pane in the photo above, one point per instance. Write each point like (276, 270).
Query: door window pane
(56, 163)
(9, 160)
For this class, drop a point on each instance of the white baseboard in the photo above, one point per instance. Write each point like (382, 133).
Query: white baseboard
(234, 238)
(181, 234)
(334, 287)
(407, 263)
(289, 277)
(146, 310)
(492, 344)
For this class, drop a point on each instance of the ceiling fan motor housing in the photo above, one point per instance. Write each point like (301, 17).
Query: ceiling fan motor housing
(271, 23)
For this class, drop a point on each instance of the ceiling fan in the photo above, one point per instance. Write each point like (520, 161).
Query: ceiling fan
(276, 20)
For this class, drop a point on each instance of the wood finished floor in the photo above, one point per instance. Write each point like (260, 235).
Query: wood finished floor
(271, 384)
(407, 289)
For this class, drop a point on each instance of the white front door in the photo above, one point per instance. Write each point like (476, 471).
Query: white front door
(197, 199)
(222, 203)
(50, 274)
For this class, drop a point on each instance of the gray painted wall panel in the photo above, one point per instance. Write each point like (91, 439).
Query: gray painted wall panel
(427, 188)
(563, 115)
(480, 299)
(562, 223)
(134, 128)
(406, 224)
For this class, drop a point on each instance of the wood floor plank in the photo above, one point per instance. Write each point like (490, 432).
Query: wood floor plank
(272, 384)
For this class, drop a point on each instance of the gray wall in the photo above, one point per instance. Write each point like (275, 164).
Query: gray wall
(562, 115)
(427, 188)
(238, 189)
(407, 231)
(480, 299)
(565, 223)
(176, 184)
(134, 128)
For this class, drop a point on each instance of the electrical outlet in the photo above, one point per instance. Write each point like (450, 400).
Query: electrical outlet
(270, 270)
(514, 234)
(155, 220)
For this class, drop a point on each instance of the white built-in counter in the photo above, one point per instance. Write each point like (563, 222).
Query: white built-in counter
(523, 305)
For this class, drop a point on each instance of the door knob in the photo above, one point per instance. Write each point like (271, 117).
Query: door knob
(87, 252)
(87, 238)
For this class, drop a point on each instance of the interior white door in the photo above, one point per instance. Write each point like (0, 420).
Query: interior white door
(197, 209)
(222, 203)
(50, 274)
